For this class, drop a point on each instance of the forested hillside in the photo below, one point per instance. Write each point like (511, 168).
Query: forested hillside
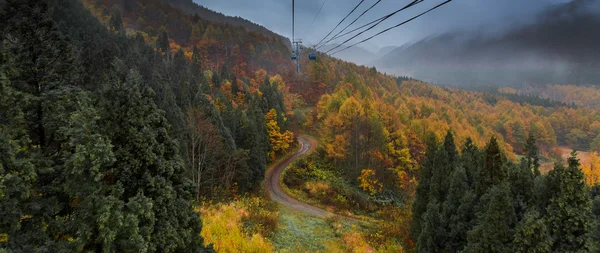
(193, 8)
(122, 120)
(106, 140)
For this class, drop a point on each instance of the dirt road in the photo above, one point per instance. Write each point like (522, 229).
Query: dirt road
(273, 188)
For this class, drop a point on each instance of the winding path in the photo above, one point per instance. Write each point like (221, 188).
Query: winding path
(273, 187)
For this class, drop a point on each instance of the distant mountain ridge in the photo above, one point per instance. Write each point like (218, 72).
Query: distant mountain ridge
(189, 6)
(560, 47)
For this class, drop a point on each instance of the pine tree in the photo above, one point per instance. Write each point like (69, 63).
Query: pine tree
(422, 192)
(431, 238)
(569, 211)
(495, 229)
(532, 234)
(493, 171)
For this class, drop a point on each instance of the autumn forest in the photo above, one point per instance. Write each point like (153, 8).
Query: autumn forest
(154, 126)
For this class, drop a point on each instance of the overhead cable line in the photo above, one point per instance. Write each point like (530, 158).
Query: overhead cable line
(413, 3)
(356, 19)
(392, 27)
(313, 22)
(355, 7)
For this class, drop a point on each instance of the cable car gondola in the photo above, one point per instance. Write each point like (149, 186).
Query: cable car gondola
(294, 57)
(312, 56)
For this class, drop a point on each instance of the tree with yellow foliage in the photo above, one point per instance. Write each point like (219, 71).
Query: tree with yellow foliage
(368, 182)
(280, 142)
(591, 170)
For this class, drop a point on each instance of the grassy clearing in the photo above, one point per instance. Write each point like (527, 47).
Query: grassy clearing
(384, 226)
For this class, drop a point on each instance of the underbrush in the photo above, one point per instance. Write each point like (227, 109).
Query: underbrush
(243, 225)
(315, 182)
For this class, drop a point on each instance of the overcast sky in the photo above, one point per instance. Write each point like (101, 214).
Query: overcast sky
(456, 15)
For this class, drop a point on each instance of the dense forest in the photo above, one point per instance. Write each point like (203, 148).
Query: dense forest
(105, 140)
(477, 201)
(119, 118)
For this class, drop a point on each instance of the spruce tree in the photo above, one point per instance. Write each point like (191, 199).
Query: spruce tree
(116, 22)
(157, 213)
(234, 86)
(470, 160)
(532, 155)
(457, 211)
(196, 60)
(432, 236)
(541, 194)
(569, 211)
(494, 231)
(521, 186)
(422, 192)
(447, 158)
(493, 171)
(162, 42)
(532, 234)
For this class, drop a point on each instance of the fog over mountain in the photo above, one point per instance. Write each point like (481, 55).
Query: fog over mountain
(561, 45)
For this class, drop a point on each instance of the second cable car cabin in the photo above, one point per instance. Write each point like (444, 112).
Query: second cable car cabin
(312, 56)
(294, 57)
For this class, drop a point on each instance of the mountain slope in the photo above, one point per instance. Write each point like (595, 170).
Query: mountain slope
(189, 6)
(559, 47)
(358, 55)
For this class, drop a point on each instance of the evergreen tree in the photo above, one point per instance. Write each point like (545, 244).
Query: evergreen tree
(157, 213)
(569, 211)
(447, 158)
(432, 236)
(542, 192)
(596, 211)
(162, 42)
(470, 160)
(495, 227)
(422, 192)
(216, 80)
(234, 86)
(196, 59)
(457, 211)
(521, 186)
(532, 234)
(493, 171)
(532, 155)
(116, 22)
(205, 85)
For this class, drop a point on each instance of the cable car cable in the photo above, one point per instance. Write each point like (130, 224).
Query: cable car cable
(354, 21)
(355, 7)
(313, 22)
(396, 26)
(413, 3)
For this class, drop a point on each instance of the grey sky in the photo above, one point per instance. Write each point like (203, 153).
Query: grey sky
(457, 15)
